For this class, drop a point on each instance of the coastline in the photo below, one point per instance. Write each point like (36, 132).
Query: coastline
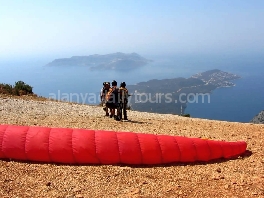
(239, 103)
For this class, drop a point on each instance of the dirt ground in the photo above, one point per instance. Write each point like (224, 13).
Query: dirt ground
(240, 177)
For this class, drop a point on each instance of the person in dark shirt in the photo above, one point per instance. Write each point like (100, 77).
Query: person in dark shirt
(123, 100)
(113, 99)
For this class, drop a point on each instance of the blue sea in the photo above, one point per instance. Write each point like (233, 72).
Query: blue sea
(237, 104)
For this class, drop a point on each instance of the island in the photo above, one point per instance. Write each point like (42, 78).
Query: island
(172, 95)
(115, 61)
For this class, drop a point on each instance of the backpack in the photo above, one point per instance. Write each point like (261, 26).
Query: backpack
(105, 91)
(113, 95)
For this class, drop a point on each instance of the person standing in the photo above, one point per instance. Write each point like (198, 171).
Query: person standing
(123, 100)
(113, 101)
(103, 94)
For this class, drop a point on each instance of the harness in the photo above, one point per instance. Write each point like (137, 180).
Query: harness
(113, 95)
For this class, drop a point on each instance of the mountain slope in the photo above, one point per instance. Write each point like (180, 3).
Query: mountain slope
(258, 119)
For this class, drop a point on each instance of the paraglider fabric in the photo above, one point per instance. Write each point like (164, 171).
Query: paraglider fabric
(82, 146)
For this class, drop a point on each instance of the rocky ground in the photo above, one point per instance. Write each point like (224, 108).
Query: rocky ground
(241, 177)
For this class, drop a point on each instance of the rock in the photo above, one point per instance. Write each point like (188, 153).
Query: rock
(258, 119)
(215, 178)
(134, 191)
(76, 190)
(234, 182)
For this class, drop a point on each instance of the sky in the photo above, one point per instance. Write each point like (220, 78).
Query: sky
(64, 28)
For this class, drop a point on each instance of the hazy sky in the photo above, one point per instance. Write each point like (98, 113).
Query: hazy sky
(62, 28)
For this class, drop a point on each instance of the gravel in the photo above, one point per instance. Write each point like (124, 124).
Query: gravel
(241, 177)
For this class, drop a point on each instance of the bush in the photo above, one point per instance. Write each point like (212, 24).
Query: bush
(22, 88)
(19, 89)
(186, 115)
(6, 89)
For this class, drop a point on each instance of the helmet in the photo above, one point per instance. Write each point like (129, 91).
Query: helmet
(104, 83)
(114, 83)
(122, 84)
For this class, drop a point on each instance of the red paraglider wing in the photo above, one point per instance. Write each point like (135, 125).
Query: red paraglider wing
(79, 146)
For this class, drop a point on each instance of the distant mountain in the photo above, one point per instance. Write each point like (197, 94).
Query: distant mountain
(258, 119)
(115, 61)
(172, 95)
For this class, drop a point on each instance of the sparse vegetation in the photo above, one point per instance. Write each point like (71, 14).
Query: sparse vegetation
(20, 88)
(186, 115)
(129, 107)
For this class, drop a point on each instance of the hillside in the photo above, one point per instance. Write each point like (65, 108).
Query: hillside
(258, 119)
(241, 177)
(173, 95)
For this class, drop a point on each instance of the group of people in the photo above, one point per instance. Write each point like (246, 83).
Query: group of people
(114, 100)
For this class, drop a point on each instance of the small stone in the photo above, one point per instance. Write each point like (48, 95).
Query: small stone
(218, 170)
(134, 191)
(215, 177)
(168, 190)
(76, 190)
(48, 184)
(226, 186)
(79, 196)
(28, 194)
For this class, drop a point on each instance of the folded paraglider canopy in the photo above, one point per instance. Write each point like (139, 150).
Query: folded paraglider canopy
(80, 146)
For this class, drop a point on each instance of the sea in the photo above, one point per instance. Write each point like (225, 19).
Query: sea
(79, 84)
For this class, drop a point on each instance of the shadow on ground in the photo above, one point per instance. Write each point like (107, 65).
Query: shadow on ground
(245, 155)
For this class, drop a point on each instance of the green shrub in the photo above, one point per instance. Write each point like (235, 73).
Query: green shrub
(19, 89)
(22, 88)
(6, 89)
(186, 115)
